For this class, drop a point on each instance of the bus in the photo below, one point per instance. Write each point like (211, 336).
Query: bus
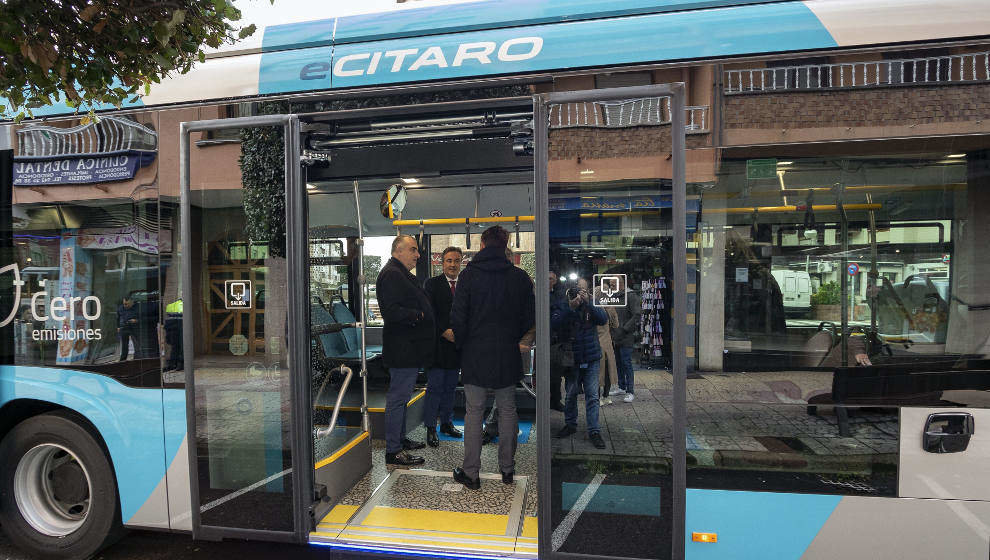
(192, 338)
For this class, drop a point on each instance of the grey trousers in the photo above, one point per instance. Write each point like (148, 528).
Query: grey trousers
(508, 428)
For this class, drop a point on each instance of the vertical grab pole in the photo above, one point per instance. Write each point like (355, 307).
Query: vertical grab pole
(679, 204)
(365, 420)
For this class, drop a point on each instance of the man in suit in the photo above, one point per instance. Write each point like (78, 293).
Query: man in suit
(407, 343)
(493, 309)
(441, 379)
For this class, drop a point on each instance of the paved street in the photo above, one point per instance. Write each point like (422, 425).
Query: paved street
(146, 545)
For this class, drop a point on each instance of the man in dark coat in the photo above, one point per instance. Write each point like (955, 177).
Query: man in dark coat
(441, 378)
(494, 308)
(407, 343)
(583, 318)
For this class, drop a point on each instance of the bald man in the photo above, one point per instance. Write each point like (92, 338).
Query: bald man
(408, 344)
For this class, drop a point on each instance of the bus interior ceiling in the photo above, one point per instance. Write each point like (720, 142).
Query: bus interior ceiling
(466, 166)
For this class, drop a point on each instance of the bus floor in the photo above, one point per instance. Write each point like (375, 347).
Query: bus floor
(423, 509)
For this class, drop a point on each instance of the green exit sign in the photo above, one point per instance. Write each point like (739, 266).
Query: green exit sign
(761, 169)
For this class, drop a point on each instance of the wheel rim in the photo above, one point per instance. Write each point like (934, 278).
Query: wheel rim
(52, 490)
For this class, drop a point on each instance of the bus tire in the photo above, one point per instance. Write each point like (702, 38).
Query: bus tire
(58, 493)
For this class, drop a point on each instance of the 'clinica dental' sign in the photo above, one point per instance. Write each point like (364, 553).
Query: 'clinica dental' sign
(76, 170)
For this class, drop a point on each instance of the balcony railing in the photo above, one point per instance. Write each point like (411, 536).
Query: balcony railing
(935, 70)
(651, 111)
(105, 136)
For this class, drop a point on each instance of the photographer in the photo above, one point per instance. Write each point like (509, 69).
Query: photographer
(583, 320)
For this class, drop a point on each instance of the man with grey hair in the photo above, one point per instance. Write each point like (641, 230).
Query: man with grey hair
(408, 343)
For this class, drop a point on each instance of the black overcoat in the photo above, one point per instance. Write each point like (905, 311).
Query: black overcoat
(493, 308)
(410, 327)
(438, 289)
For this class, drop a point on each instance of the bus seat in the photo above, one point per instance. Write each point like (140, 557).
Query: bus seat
(344, 315)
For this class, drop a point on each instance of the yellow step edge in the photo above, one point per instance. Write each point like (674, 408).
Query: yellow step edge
(431, 533)
(415, 398)
(412, 543)
(459, 538)
(343, 450)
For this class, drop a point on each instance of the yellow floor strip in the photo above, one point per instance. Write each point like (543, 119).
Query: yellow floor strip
(530, 525)
(431, 520)
(340, 514)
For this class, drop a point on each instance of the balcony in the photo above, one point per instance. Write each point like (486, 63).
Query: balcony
(937, 70)
(651, 111)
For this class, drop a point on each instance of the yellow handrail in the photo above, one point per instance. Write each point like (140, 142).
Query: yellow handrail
(607, 213)
(462, 221)
(779, 209)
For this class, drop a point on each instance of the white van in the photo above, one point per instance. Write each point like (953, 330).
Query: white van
(796, 288)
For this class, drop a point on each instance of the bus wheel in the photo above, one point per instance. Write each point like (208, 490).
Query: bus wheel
(58, 495)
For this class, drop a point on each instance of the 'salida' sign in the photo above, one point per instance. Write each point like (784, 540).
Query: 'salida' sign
(110, 149)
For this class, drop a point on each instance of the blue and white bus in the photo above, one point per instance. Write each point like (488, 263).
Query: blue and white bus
(192, 339)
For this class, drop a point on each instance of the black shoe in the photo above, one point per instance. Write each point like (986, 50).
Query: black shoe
(409, 444)
(487, 438)
(451, 430)
(558, 406)
(567, 430)
(403, 459)
(597, 441)
(431, 437)
(507, 477)
(468, 482)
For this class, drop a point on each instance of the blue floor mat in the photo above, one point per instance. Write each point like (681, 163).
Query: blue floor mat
(525, 427)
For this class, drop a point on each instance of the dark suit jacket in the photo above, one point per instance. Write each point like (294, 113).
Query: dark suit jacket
(493, 309)
(408, 338)
(438, 288)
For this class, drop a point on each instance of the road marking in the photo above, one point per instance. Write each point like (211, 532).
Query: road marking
(563, 530)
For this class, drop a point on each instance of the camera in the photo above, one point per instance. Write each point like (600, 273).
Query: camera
(572, 293)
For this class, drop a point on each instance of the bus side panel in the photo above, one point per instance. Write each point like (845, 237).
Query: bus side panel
(177, 450)
(128, 419)
(755, 525)
(783, 526)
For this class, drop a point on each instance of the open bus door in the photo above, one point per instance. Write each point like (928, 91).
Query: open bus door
(249, 463)
(611, 212)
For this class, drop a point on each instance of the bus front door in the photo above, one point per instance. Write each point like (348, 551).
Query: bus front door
(242, 354)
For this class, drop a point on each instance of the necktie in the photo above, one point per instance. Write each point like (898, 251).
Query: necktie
(453, 289)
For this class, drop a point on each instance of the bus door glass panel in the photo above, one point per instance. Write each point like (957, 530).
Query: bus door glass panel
(239, 315)
(612, 283)
(336, 348)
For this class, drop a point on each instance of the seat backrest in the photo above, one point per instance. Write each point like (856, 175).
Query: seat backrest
(334, 344)
(344, 315)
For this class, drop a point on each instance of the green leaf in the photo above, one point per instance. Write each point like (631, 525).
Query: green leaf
(161, 32)
(202, 56)
(247, 31)
(178, 17)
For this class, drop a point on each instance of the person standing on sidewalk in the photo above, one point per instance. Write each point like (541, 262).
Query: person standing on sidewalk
(494, 308)
(624, 338)
(583, 318)
(441, 378)
(407, 343)
(607, 374)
